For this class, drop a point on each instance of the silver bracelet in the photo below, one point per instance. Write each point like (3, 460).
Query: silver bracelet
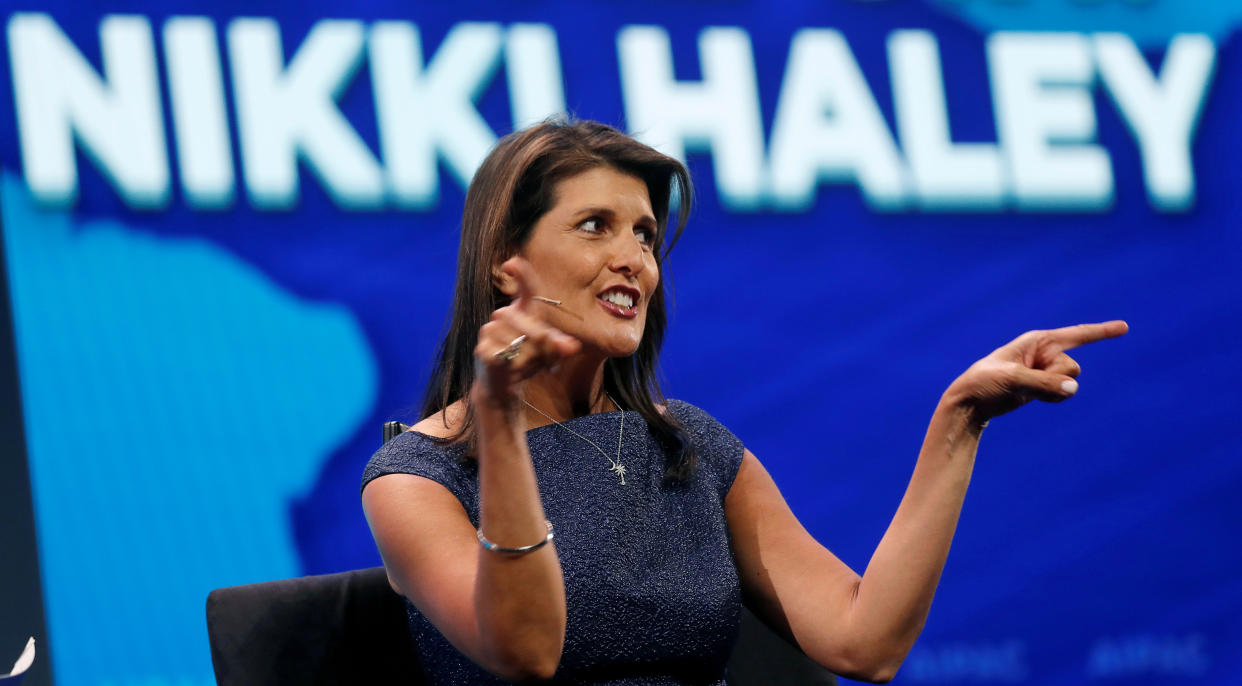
(488, 545)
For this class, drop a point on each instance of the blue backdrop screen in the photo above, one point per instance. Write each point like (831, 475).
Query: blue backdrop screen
(231, 236)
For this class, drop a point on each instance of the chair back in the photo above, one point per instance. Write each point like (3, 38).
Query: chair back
(344, 628)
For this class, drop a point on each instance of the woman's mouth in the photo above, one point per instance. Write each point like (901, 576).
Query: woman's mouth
(620, 302)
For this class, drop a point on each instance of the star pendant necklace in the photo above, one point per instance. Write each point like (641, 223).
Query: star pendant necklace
(616, 468)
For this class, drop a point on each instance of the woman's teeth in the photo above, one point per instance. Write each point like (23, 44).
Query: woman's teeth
(619, 299)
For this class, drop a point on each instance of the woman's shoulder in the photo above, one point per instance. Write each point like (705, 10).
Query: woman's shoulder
(443, 424)
(425, 449)
(679, 407)
(718, 449)
(692, 417)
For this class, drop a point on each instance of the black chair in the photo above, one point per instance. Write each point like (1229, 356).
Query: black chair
(345, 628)
(350, 628)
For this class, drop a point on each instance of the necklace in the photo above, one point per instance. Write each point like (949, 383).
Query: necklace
(616, 468)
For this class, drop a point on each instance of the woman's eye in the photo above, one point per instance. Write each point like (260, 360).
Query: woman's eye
(593, 225)
(645, 236)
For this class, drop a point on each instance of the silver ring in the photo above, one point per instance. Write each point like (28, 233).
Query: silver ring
(510, 352)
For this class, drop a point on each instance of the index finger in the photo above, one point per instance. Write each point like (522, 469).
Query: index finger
(1069, 337)
(524, 276)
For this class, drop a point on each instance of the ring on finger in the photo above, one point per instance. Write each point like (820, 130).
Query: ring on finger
(510, 352)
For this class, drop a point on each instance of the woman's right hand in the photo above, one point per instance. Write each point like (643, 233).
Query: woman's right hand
(497, 378)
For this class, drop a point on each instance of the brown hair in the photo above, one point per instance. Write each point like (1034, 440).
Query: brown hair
(512, 189)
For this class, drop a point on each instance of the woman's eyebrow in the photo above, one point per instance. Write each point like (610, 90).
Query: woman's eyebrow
(610, 215)
(604, 212)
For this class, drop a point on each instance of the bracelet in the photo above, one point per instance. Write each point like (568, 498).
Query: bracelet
(492, 547)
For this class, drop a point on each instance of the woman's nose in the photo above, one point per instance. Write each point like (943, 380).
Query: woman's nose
(628, 256)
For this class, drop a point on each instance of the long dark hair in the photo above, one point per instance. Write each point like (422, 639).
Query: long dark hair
(512, 189)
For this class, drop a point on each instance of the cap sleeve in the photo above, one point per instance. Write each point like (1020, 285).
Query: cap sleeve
(719, 451)
(413, 453)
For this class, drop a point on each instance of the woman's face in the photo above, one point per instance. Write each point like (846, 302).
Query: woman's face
(594, 252)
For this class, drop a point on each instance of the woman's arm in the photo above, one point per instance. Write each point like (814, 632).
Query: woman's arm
(506, 612)
(863, 627)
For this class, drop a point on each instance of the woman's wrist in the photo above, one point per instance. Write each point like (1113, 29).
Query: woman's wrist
(495, 415)
(958, 408)
(486, 400)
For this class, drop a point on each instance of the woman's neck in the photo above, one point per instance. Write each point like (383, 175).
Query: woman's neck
(574, 389)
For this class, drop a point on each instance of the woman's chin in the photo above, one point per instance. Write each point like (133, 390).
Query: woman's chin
(614, 348)
(628, 352)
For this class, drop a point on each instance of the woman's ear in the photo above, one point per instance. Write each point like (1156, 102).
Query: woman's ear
(504, 281)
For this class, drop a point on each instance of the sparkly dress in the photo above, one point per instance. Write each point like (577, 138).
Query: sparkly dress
(650, 585)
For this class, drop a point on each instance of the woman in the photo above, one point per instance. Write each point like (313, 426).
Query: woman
(543, 419)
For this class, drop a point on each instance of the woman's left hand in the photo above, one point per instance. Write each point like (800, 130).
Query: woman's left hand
(1032, 366)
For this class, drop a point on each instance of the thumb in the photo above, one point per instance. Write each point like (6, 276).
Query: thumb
(1045, 385)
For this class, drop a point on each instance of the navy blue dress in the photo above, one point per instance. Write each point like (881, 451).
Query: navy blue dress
(650, 583)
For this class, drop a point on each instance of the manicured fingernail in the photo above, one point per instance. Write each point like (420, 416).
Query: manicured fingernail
(1069, 387)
